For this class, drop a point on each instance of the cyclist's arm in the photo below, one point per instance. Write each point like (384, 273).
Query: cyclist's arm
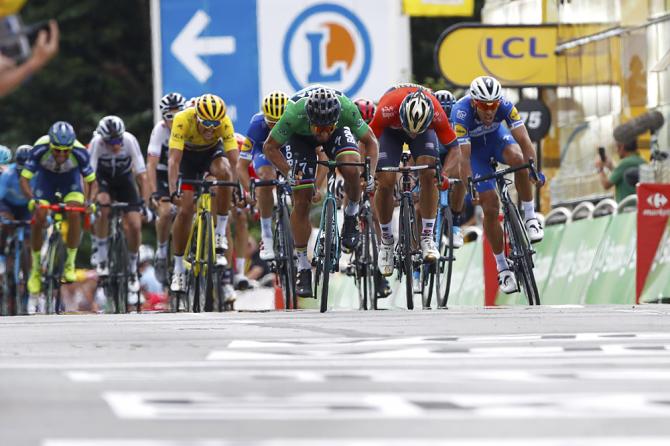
(90, 190)
(174, 160)
(321, 171)
(520, 134)
(466, 170)
(145, 190)
(273, 154)
(242, 168)
(233, 157)
(152, 163)
(25, 187)
(371, 149)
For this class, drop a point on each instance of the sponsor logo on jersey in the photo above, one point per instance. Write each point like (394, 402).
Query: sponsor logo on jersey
(514, 114)
(460, 130)
(387, 111)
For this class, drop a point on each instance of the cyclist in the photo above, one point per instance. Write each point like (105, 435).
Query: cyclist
(273, 106)
(13, 203)
(409, 114)
(58, 161)
(322, 118)
(157, 172)
(450, 157)
(198, 139)
(478, 118)
(238, 238)
(118, 163)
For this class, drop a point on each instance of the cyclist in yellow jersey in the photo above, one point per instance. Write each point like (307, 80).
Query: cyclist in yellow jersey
(202, 140)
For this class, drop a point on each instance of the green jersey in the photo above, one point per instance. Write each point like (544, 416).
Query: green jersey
(622, 188)
(294, 120)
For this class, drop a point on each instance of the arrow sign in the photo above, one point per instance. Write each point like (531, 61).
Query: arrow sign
(188, 46)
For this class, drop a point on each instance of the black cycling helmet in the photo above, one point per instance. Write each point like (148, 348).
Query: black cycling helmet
(22, 154)
(323, 107)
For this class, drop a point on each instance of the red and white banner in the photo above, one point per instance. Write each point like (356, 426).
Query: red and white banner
(653, 210)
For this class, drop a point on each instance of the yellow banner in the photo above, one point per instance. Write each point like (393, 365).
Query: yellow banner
(432, 8)
(515, 55)
(9, 7)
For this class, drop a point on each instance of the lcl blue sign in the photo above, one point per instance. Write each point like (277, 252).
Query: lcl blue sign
(203, 46)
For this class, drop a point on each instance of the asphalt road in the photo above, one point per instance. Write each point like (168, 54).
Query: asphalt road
(504, 376)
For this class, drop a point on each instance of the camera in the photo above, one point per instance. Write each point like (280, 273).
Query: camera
(16, 38)
(601, 153)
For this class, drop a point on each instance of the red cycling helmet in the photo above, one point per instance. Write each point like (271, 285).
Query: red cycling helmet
(367, 109)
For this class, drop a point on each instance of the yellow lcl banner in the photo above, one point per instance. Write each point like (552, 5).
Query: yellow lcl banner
(9, 7)
(515, 55)
(434, 8)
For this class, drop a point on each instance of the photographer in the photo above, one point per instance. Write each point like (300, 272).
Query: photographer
(624, 176)
(44, 49)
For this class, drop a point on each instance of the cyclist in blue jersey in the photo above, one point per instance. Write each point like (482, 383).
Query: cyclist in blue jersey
(450, 157)
(478, 119)
(60, 162)
(13, 203)
(273, 107)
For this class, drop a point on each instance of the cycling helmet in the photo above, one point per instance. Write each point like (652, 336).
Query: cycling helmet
(62, 134)
(274, 105)
(416, 112)
(367, 109)
(485, 89)
(146, 253)
(5, 155)
(22, 154)
(323, 107)
(446, 100)
(172, 101)
(210, 107)
(111, 127)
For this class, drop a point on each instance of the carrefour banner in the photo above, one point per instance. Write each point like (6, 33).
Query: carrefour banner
(432, 8)
(358, 47)
(515, 55)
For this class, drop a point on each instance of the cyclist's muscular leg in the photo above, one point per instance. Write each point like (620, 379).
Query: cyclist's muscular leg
(163, 222)
(384, 196)
(266, 199)
(132, 223)
(351, 175)
(182, 222)
(428, 194)
(492, 229)
(221, 169)
(300, 224)
(101, 225)
(514, 157)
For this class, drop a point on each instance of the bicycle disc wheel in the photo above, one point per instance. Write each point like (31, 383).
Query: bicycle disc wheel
(445, 266)
(328, 252)
(289, 267)
(522, 257)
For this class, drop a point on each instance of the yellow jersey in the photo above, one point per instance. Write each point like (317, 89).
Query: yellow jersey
(185, 134)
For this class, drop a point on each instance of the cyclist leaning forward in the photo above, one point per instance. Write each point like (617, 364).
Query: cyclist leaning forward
(409, 114)
(117, 160)
(198, 139)
(478, 119)
(322, 118)
(59, 161)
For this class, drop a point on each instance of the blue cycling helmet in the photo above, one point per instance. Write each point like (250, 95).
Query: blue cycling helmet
(5, 155)
(62, 133)
(22, 154)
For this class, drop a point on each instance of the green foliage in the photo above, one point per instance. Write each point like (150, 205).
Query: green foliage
(103, 67)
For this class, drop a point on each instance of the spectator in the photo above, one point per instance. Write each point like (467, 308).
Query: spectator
(45, 48)
(625, 175)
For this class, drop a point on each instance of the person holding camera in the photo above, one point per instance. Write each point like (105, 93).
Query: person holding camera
(625, 175)
(45, 48)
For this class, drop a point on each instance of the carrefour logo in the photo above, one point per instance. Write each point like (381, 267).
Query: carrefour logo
(657, 200)
(327, 44)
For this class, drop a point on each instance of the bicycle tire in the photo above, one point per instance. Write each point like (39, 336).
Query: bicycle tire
(523, 258)
(328, 254)
(53, 274)
(446, 264)
(369, 262)
(209, 254)
(406, 250)
(291, 295)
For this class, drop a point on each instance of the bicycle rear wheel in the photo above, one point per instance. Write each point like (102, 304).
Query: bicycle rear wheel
(522, 256)
(328, 252)
(445, 244)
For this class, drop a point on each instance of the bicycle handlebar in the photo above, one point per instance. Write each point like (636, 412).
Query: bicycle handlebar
(500, 173)
(401, 169)
(62, 207)
(8, 222)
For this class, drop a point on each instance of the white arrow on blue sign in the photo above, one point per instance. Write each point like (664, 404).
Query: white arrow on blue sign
(201, 46)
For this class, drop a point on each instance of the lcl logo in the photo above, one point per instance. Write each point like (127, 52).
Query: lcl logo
(514, 48)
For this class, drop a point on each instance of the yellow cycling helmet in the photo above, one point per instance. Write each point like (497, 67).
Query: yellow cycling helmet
(274, 104)
(210, 107)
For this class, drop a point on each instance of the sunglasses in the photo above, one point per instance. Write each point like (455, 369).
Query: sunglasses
(209, 123)
(57, 148)
(316, 129)
(270, 122)
(169, 116)
(114, 141)
(487, 106)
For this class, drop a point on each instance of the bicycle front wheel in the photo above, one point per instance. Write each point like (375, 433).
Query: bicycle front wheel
(407, 250)
(445, 244)
(522, 256)
(288, 270)
(328, 252)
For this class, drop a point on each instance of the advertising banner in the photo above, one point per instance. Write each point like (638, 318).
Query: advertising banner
(462, 264)
(613, 272)
(433, 8)
(358, 47)
(652, 218)
(571, 271)
(657, 286)
(471, 291)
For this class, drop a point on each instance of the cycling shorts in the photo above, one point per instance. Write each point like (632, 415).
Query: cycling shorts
(392, 140)
(482, 149)
(120, 189)
(18, 212)
(194, 164)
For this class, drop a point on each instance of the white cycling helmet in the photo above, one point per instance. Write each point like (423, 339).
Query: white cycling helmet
(416, 112)
(111, 127)
(485, 89)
